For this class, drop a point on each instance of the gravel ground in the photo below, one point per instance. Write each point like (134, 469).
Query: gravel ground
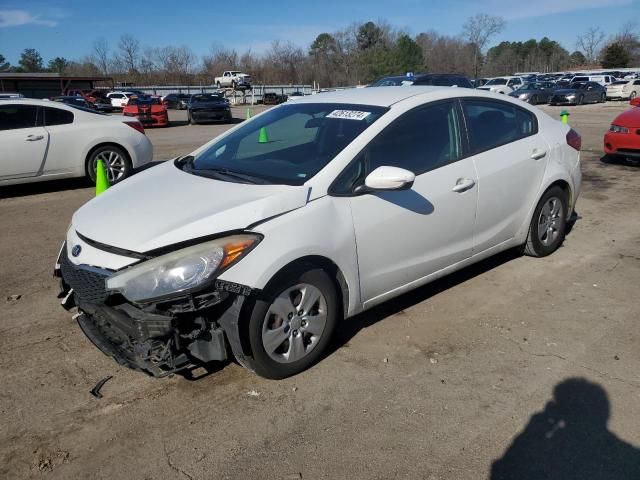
(515, 368)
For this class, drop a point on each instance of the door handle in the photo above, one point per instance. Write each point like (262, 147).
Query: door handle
(462, 185)
(538, 154)
(34, 138)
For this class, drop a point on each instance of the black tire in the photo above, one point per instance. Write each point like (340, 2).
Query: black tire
(233, 84)
(218, 85)
(105, 149)
(534, 247)
(580, 100)
(260, 362)
(603, 98)
(632, 95)
(534, 100)
(191, 120)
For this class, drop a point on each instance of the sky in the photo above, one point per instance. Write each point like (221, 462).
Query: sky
(69, 28)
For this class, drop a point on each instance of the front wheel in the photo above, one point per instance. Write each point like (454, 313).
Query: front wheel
(548, 225)
(292, 324)
(115, 160)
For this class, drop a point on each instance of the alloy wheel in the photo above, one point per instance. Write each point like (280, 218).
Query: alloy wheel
(294, 323)
(550, 221)
(114, 163)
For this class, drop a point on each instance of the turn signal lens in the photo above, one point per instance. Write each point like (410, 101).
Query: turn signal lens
(233, 250)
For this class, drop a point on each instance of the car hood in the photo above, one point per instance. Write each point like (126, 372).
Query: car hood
(528, 91)
(628, 118)
(164, 205)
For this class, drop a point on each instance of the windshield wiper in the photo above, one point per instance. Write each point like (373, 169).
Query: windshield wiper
(220, 173)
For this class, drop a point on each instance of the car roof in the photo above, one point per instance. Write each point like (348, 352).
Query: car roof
(377, 96)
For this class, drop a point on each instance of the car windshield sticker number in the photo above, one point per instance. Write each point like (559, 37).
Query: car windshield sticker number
(348, 114)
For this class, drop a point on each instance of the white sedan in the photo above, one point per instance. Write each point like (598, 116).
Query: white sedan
(43, 140)
(260, 241)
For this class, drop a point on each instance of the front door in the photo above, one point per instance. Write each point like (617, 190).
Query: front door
(24, 144)
(404, 236)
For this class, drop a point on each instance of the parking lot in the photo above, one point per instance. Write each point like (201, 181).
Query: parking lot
(436, 384)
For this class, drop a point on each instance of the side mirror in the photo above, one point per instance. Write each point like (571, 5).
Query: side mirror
(389, 178)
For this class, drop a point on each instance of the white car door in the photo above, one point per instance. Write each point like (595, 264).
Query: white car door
(510, 158)
(403, 236)
(23, 144)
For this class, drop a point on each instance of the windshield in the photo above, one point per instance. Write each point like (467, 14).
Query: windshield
(497, 81)
(285, 145)
(206, 97)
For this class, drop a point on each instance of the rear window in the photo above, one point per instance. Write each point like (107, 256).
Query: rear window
(57, 116)
(494, 123)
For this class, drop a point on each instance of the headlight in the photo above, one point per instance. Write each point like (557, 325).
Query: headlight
(181, 271)
(573, 95)
(523, 96)
(618, 129)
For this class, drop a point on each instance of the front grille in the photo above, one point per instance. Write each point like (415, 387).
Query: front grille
(87, 283)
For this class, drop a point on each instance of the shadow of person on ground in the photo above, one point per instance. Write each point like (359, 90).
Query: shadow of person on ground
(569, 440)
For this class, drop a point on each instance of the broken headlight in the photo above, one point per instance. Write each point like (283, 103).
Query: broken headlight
(180, 271)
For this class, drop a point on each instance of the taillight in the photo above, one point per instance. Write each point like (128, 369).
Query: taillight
(574, 139)
(136, 126)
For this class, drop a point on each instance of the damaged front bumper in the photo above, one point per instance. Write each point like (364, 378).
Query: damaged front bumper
(156, 338)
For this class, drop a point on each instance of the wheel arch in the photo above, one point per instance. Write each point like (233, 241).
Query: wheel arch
(554, 182)
(105, 144)
(325, 264)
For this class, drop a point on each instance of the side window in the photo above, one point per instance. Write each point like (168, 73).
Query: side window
(57, 116)
(421, 140)
(495, 123)
(637, 82)
(17, 116)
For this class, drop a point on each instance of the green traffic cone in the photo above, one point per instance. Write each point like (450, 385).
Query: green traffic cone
(263, 137)
(564, 115)
(248, 113)
(102, 182)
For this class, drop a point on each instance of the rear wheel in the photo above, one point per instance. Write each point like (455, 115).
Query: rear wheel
(603, 98)
(292, 324)
(116, 162)
(534, 100)
(548, 225)
(633, 95)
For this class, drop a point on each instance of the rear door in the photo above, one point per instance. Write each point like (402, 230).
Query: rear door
(510, 158)
(23, 142)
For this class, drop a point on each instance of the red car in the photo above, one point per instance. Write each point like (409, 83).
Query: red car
(149, 110)
(635, 102)
(623, 137)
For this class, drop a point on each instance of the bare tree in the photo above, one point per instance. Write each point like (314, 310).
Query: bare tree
(129, 55)
(101, 55)
(590, 43)
(478, 30)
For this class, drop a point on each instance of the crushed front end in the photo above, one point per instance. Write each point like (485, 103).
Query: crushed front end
(159, 337)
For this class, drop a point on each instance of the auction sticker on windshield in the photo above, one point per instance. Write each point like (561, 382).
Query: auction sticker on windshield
(349, 114)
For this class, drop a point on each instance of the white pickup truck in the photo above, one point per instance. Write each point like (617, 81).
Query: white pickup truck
(233, 79)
